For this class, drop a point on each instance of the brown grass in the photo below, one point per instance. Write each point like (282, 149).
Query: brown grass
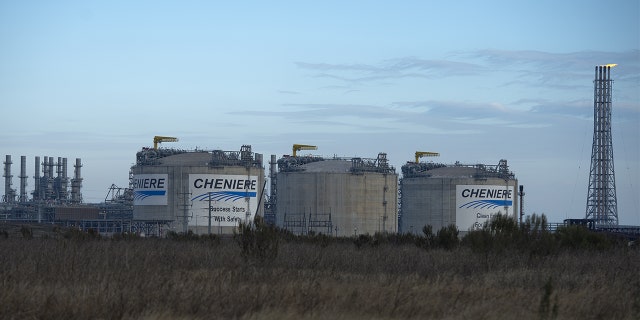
(171, 279)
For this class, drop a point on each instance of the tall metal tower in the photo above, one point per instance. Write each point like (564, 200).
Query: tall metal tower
(602, 204)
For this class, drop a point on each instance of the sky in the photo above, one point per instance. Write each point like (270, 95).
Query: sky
(475, 81)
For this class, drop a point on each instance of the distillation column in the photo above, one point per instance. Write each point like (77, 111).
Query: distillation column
(45, 177)
(48, 179)
(37, 191)
(64, 183)
(9, 193)
(23, 179)
(61, 180)
(57, 185)
(76, 183)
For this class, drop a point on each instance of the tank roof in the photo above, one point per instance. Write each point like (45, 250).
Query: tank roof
(354, 165)
(196, 158)
(457, 170)
(453, 172)
(328, 165)
(216, 158)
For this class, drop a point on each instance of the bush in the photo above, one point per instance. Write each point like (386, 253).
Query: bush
(503, 233)
(190, 236)
(579, 237)
(427, 240)
(125, 236)
(478, 241)
(26, 232)
(319, 239)
(447, 237)
(361, 240)
(401, 238)
(77, 234)
(258, 241)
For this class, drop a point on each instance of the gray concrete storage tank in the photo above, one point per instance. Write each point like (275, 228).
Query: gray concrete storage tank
(336, 196)
(464, 195)
(201, 191)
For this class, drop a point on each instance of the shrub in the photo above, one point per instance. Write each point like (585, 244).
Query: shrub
(183, 236)
(427, 240)
(401, 238)
(579, 237)
(77, 234)
(505, 230)
(478, 240)
(125, 236)
(447, 237)
(312, 237)
(26, 232)
(503, 233)
(258, 240)
(361, 240)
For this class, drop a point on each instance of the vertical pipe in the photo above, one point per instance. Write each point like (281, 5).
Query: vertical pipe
(76, 183)
(45, 166)
(36, 177)
(23, 179)
(59, 167)
(521, 194)
(273, 191)
(57, 186)
(272, 176)
(65, 180)
(8, 193)
(51, 167)
(49, 179)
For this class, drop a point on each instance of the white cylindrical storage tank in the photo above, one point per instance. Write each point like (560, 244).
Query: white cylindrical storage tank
(463, 195)
(199, 191)
(342, 197)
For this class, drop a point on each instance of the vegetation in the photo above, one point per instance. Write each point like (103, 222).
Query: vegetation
(503, 271)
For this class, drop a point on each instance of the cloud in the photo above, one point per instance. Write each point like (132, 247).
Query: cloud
(288, 92)
(354, 118)
(562, 71)
(581, 60)
(397, 68)
(475, 114)
(519, 68)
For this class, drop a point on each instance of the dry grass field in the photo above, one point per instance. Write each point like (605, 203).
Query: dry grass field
(81, 277)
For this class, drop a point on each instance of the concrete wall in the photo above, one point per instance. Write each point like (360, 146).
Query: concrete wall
(358, 203)
(432, 201)
(178, 168)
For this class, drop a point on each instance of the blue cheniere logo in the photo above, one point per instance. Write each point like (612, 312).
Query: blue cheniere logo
(224, 196)
(487, 204)
(143, 194)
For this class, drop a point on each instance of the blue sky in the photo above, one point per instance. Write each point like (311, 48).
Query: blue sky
(475, 81)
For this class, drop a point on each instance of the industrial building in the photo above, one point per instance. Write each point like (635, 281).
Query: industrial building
(212, 191)
(48, 187)
(196, 190)
(339, 196)
(463, 195)
(57, 199)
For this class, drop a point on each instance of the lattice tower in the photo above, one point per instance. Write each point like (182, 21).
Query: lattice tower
(602, 204)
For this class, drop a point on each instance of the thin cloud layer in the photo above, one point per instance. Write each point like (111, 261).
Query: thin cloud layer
(407, 67)
(529, 76)
(528, 67)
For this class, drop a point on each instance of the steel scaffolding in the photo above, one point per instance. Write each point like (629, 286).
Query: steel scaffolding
(602, 204)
